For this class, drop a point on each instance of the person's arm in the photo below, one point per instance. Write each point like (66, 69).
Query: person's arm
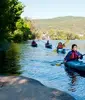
(67, 58)
(80, 56)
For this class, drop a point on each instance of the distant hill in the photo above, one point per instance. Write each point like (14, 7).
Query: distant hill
(67, 23)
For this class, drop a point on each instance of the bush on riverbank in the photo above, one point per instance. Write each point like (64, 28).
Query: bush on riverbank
(22, 32)
(9, 60)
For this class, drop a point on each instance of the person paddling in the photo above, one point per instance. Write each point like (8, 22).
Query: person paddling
(33, 42)
(73, 54)
(48, 45)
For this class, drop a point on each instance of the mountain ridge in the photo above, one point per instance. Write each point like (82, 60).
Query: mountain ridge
(75, 24)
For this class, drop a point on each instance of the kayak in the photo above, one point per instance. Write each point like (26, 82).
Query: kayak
(61, 51)
(77, 65)
(34, 45)
(48, 46)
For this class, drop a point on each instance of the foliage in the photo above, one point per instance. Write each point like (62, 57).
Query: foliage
(62, 27)
(15, 10)
(18, 36)
(22, 32)
(62, 35)
(10, 61)
(10, 11)
(12, 28)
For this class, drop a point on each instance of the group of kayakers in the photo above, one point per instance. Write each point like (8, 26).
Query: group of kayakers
(48, 45)
(72, 55)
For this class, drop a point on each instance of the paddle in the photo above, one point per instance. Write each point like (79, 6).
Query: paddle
(59, 64)
(83, 55)
(64, 45)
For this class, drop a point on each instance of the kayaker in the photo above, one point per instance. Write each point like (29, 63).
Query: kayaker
(33, 42)
(73, 54)
(60, 45)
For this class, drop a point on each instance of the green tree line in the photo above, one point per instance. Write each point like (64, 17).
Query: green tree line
(59, 35)
(62, 35)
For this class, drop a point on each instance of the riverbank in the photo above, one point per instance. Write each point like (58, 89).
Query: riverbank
(22, 88)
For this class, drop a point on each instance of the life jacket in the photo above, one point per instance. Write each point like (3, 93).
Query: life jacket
(60, 46)
(74, 55)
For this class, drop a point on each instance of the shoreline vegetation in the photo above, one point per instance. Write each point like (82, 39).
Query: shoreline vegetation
(66, 27)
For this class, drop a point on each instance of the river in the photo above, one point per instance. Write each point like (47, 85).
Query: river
(40, 64)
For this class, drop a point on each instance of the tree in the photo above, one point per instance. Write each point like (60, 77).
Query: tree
(22, 32)
(14, 11)
(3, 18)
(10, 11)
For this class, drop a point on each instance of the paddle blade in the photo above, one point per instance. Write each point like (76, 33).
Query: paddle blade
(59, 64)
(66, 42)
(54, 50)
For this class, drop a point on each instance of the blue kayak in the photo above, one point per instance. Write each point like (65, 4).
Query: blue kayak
(78, 65)
(48, 46)
(61, 51)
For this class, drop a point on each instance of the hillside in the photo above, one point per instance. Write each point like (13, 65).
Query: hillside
(68, 24)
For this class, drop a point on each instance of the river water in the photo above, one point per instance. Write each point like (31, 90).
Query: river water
(40, 64)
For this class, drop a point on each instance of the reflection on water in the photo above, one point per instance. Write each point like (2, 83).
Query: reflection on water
(73, 79)
(9, 60)
(73, 75)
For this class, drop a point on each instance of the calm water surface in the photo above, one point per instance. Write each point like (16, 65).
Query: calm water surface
(40, 64)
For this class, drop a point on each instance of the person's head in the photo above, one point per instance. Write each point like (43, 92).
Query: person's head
(60, 43)
(47, 41)
(74, 47)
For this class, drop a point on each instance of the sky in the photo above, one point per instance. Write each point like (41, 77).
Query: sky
(43, 9)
